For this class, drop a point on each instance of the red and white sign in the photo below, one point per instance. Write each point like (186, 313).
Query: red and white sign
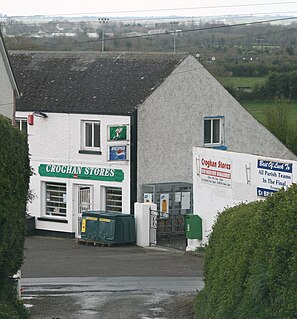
(215, 171)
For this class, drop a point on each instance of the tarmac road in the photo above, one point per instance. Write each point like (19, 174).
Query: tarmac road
(62, 279)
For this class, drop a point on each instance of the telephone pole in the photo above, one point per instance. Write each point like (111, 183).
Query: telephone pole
(102, 22)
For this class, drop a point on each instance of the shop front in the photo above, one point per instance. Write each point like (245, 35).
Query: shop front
(62, 192)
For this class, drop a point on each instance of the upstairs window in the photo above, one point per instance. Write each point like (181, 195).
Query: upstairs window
(213, 132)
(22, 124)
(91, 135)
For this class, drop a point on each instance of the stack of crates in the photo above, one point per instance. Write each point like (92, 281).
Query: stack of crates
(108, 227)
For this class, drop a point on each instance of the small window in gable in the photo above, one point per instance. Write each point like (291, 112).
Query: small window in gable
(91, 135)
(213, 131)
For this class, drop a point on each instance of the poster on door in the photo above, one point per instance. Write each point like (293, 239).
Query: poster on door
(272, 176)
(164, 206)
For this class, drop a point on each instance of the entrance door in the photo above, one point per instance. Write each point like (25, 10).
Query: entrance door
(84, 203)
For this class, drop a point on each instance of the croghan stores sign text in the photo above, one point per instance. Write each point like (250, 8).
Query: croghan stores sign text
(79, 172)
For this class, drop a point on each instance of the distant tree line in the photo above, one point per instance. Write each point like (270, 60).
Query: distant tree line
(277, 84)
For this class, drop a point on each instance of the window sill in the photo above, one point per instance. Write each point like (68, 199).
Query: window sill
(217, 147)
(54, 220)
(89, 152)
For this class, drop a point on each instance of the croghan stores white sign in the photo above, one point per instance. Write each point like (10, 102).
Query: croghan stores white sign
(272, 176)
(215, 171)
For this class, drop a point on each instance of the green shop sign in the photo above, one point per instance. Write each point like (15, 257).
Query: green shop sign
(118, 133)
(79, 172)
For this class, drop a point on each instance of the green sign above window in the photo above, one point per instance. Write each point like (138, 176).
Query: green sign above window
(118, 133)
(79, 172)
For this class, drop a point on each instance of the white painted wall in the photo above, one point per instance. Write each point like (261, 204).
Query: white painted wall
(145, 235)
(57, 140)
(236, 182)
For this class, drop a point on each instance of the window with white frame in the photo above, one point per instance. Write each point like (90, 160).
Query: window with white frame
(22, 124)
(113, 199)
(213, 131)
(91, 135)
(55, 195)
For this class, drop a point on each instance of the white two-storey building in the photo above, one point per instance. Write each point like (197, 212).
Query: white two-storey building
(108, 129)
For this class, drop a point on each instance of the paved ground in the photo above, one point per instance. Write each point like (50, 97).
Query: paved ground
(65, 280)
(53, 257)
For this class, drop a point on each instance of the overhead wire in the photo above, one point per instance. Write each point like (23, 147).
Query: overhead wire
(245, 37)
(196, 29)
(171, 9)
(207, 28)
(185, 19)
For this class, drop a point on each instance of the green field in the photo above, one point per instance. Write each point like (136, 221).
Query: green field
(242, 81)
(259, 109)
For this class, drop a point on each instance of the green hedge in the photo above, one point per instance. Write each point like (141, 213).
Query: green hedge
(251, 261)
(14, 183)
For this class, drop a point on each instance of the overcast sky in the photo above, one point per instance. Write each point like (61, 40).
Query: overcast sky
(109, 8)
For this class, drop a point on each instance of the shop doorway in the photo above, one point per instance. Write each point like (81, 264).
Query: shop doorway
(85, 202)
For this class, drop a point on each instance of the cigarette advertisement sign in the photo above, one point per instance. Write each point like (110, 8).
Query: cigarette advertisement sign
(272, 176)
(216, 171)
(148, 197)
(164, 205)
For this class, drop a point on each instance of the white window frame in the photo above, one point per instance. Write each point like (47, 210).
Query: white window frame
(22, 121)
(55, 205)
(221, 131)
(84, 145)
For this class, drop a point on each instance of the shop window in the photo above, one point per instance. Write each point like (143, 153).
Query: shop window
(213, 131)
(22, 124)
(113, 199)
(55, 194)
(91, 136)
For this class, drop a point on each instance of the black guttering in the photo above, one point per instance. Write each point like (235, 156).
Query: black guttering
(133, 160)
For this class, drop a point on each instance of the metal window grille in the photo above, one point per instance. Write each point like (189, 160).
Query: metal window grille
(56, 199)
(113, 199)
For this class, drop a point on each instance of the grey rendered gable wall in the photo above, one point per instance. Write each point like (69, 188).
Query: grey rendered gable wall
(170, 123)
(8, 86)
(6, 91)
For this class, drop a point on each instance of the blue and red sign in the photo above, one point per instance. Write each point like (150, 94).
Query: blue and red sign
(118, 153)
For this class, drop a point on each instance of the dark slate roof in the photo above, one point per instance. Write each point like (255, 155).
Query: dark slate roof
(89, 82)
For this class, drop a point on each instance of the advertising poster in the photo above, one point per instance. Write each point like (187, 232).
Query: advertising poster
(164, 205)
(177, 197)
(216, 171)
(118, 133)
(148, 197)
(272, 176)
(186, 200)
(118, 153)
